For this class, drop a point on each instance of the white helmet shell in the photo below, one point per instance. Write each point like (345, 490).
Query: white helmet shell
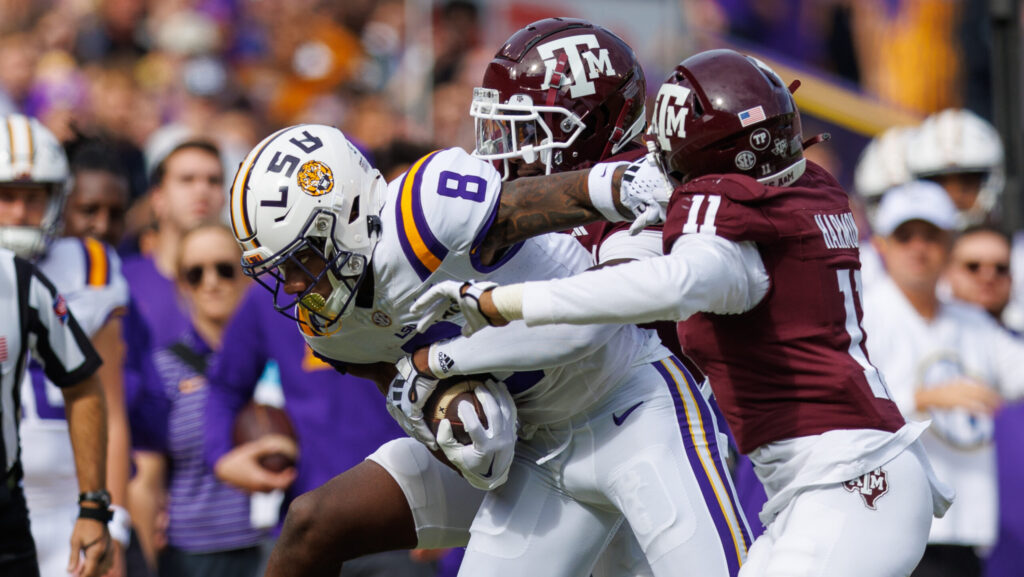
(30, 154)
(304, 186)
(959, 141)
(883, 163)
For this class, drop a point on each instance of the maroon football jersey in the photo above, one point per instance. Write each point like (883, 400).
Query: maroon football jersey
(593, 235)
(796, 364)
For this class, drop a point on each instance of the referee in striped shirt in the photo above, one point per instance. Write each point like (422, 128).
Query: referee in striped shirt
(34, 317)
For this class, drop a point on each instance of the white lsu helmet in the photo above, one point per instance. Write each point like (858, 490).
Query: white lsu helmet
(307, 188)
(883, 164)
(959, 141)
(31, 155)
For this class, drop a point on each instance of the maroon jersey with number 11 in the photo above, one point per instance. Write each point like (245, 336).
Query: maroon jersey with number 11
(795, 364)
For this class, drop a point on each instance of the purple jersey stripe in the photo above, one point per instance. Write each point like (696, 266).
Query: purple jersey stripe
(733, 547)
(709, 415)
(43, 407)
(438, 331)
(412, 224)
(87, 259)
(474, 254)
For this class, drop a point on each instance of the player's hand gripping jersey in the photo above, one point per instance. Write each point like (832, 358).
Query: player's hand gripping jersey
(433, 220)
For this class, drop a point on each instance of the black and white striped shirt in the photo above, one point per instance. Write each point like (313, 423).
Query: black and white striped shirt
(34, 317)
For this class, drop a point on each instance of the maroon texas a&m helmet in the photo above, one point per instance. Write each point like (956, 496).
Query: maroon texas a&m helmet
(561, 90)
(722, 112)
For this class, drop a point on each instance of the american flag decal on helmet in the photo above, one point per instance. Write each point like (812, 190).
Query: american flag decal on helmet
(751, 116)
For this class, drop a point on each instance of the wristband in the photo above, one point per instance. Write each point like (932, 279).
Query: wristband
(434, 363)
(508, 300)
(599, 186)
(120, 526)
(96, 514)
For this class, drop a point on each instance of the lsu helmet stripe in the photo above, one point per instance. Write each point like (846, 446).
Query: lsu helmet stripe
(423, 250)
(97, 265)
(31, 146)
(10, 144)
(19, 131)
(239, 193)
(715, 485)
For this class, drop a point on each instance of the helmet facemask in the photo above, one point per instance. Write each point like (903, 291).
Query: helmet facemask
(520, 129)
(31, 241)
(313, 218)
(31, 156)
(344, 270)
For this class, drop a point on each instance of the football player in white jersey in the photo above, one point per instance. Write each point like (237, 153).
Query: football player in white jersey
(87, 272)
(611, 426)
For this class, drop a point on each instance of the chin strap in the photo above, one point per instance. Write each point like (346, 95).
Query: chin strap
(823, 137)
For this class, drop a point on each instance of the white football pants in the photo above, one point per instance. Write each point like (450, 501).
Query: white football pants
(646, 455)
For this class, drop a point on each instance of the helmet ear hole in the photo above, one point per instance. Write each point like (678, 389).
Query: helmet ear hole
(354, 213)
(698, 108)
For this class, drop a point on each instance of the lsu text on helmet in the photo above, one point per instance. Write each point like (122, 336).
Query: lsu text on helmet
(562, 91)
(307, 192)
(30, 155)
(722, 112)
(959, 142)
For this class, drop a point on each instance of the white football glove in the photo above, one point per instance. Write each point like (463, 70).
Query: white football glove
(486, 462)
(645, 191)
(442, 297)
(407, 394)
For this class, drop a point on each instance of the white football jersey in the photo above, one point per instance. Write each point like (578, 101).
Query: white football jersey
(962, 341)
(88, 274)
(434, 219)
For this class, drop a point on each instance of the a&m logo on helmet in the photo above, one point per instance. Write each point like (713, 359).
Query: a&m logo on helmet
(596, 59)
(670, 112)
(316, 178)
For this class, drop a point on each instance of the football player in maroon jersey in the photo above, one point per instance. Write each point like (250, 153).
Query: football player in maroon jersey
(761, 268)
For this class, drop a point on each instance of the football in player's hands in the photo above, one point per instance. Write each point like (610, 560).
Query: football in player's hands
(444, 402)
(257, 420)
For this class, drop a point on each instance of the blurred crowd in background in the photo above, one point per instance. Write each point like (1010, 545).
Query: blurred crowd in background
(896, 83)
(397, 75)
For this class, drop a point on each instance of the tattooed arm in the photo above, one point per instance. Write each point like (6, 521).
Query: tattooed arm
(536, 205)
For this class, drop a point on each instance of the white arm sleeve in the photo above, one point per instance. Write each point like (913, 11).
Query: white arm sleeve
(622, 245)
(517, 347)
(703, 273)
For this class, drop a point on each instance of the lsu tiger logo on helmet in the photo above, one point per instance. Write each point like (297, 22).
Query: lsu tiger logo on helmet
(316, 178)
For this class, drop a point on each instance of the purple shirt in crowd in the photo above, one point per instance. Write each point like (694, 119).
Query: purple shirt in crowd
(1007, 556)
(156, 299)
(338, 419)
(205, 515)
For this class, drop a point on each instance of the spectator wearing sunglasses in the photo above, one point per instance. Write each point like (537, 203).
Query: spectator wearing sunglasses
(208, 523)
(186, 190)
(943, 360)
(979, 269)
(979, 273)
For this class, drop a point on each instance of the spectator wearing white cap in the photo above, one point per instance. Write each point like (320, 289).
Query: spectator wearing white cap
(943, 360)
